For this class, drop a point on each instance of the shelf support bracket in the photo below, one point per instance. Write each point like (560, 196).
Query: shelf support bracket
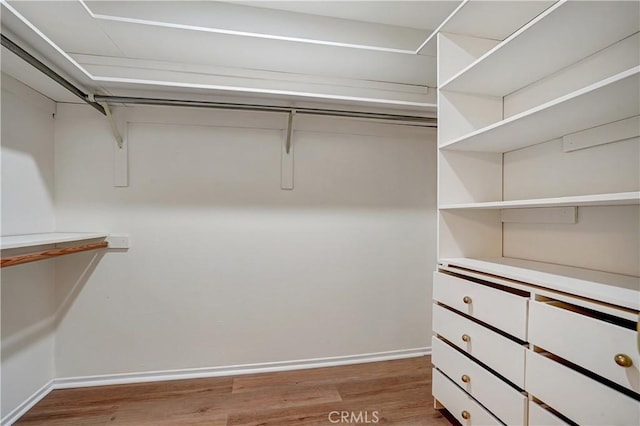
(567, 215)
(290, 130)
(112, 123)
(286, 173)
(120, 149)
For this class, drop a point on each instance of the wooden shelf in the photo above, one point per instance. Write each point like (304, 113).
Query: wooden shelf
(73, 242)
(613, 199)
(619, 290)
(34, 240)
(614, 98)
(546, 45)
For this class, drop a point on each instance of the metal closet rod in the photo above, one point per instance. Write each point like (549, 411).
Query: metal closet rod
(99, 99)
(416, 120)
(36, 63)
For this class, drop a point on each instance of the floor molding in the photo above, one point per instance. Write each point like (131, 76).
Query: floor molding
(199, 373)
(26, 405)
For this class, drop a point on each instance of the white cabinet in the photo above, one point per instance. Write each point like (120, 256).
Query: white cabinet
(501, 398)
(580, 398)
(589, 340)
(581, 363)
(465, 409)
(541, 416)
(503, 310)
(492, 348)
(539, 216)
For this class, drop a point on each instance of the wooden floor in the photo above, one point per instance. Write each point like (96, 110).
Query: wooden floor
(392, 392)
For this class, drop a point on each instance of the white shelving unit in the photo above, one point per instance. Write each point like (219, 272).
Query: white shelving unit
(544, 121)
(490, 20)
(546, 45)
(34, 240)
(612, 99)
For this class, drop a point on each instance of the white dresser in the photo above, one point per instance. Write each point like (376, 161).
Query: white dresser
(512, 352)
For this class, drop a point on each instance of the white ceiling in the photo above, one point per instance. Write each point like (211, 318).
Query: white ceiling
(260, 22)
(424, 15)
(365, 52)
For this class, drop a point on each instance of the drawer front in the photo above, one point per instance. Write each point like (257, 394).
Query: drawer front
(585, 341)
(502, 400)
(457, 402)
(538, 416)
(503, 310)
(498, 352)
(578, 397)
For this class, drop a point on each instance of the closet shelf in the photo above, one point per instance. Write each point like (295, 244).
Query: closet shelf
(546, 46)
(612, 99)
(471, 18)
(616, 289)
(612, 199)
(34, 240)
(73, 242)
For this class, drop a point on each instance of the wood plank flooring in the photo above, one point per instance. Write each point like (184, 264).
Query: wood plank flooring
(391, 392)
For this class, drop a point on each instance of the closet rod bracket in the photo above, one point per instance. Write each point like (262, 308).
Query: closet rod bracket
(290, 130)
(112, 122)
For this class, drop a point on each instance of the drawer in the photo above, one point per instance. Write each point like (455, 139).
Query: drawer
(501, 309)
(538, 416)
(578, 397)
(502, 400)
(458, 402)
(586, 341)
(498, 352)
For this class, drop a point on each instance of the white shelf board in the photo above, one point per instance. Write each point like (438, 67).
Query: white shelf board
(127, 84)
(33, 240)
(486, 19)
(612, 99)
(547, 44)
(612, 199)
(619, 290)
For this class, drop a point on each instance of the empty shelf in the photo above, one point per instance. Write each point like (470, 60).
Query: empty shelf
(85, 242)
(612, 99)
(613, 199)
(486, 19)
(34, 240)
(546, 46)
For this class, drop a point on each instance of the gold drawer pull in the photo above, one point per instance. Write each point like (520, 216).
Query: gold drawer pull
(467, 338)
(623, 360)
(466, 415)
(465, 378)
(466, 300)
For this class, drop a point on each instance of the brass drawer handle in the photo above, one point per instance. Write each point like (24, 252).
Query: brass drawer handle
(623, 360)
(465, 378)
(466, 300)
(466, 338)
(466, 415)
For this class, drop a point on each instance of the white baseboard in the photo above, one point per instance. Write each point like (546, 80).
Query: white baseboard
(233, 370)
(199, 373)
(26, 405)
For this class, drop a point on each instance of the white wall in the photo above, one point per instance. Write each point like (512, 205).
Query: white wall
(604, 238)
(226, 268)
(27, 159)
(27, 207)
